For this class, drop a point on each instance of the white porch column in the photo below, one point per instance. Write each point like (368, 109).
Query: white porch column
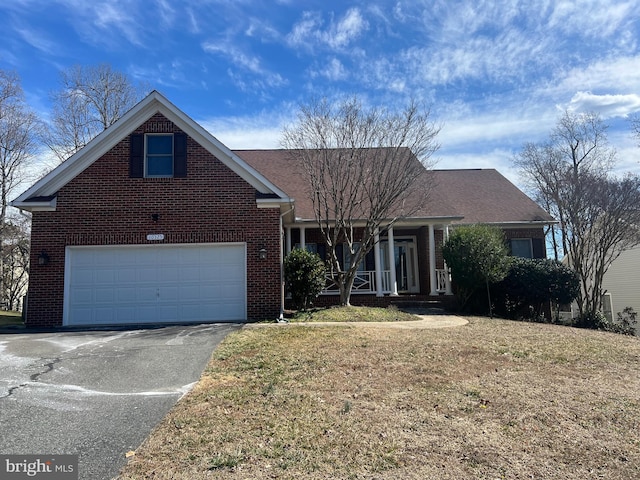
(288, 246)
(392, 263)
(447, 277)
(378, 263)
(433, 281)
(303, 240)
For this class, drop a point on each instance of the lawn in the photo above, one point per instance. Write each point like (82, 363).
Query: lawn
(493, 399)
(10, 318)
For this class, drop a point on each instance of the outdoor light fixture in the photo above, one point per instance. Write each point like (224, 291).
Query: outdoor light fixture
(262, 253)
(43, 258)
(155, 217)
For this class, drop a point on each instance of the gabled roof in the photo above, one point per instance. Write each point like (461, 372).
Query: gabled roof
(486, 196)
(462, 196)
(42, 195)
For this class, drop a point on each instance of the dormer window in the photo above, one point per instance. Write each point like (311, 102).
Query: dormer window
(158, 155)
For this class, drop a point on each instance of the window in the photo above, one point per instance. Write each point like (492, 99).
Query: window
(159, 156)
(309, 247)
(521, 247)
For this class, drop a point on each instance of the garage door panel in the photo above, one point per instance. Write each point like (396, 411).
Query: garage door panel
(144, 284)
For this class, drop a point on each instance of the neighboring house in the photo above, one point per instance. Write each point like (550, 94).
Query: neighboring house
(619, 286)
(156, 221)
(621, 282)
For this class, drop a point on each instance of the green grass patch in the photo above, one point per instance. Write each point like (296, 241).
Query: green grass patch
(10, 318)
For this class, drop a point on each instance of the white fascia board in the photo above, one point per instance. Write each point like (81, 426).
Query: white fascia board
(39, 206)
(106, 140)
(272, 202)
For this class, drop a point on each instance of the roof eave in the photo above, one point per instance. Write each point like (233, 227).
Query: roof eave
(153, 103)
(36, 206)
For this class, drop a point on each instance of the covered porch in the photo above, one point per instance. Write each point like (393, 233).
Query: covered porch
(405, 260)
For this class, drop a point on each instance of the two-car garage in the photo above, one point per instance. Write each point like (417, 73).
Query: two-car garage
(131, 284)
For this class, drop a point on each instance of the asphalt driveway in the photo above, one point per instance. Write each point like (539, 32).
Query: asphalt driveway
(97, 394)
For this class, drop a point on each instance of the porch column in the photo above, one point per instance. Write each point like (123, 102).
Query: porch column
(378, 263)
(303, 240)
(288, 246)
(447, 277)
(392, 264)
(433, 281)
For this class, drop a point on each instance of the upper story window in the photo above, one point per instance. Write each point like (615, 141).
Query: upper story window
(158, 156)
(521, 247)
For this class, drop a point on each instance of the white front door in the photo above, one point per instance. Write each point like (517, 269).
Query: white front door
(155, 284)
(406, 262)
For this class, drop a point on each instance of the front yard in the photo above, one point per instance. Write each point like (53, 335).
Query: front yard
(492, 399)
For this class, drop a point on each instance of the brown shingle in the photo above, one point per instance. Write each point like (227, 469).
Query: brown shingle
(480, 196)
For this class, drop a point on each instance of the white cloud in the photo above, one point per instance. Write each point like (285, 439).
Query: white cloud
(308, 32)
(347, 29)
(333, 70)
(606, 105)
(239, 59)
(38, 40)
(613, 74)
(247, 133)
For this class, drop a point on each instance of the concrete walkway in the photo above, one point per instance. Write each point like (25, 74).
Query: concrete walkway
(423, 322)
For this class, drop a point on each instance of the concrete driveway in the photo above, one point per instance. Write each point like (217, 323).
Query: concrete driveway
(97, 394)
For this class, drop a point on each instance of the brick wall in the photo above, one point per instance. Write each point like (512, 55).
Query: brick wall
(103, 206)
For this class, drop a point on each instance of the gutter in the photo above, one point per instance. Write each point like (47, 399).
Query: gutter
(281, 319)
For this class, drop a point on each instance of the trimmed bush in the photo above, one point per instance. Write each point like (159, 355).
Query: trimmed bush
(531, 285)
(304, 275)
(477, 256)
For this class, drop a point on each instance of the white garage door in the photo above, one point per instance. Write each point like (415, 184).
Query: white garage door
(155, 284)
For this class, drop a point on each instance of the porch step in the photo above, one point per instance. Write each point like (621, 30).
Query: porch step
(425, 307)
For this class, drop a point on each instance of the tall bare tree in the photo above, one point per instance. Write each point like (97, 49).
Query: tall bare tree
(365, 169)
(90, 99)
(635, 127)
(15, 261)
(598, 212)
(19, 133)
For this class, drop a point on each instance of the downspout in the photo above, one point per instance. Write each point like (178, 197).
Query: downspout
(281, 319)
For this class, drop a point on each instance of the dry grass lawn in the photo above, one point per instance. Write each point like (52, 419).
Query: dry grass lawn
(490, 400)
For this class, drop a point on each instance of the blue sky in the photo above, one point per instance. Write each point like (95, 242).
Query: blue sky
(496, 73)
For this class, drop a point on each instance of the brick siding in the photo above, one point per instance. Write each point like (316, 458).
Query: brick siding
(104, 206)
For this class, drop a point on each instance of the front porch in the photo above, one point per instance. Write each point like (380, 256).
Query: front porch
(405, 260)
(366, 283)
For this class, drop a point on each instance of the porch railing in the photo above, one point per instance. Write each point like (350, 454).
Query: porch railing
(365, 282)
(441, 280)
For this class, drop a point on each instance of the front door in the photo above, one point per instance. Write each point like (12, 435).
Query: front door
(406, 262)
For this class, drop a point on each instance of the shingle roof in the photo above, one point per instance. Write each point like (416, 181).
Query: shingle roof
(485, 196)
(480, 196)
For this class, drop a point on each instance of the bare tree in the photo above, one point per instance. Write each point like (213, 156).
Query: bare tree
(15, 261)
(635, 127)
(598, 213)
(19, 129)
(90, 99)
(365, 169)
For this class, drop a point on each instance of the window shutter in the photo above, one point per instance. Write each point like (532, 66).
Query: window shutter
(179, 155)
(538, 248)
(370, 261)
(136, 156)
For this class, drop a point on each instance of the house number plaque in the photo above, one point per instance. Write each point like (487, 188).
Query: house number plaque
(155, 236)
